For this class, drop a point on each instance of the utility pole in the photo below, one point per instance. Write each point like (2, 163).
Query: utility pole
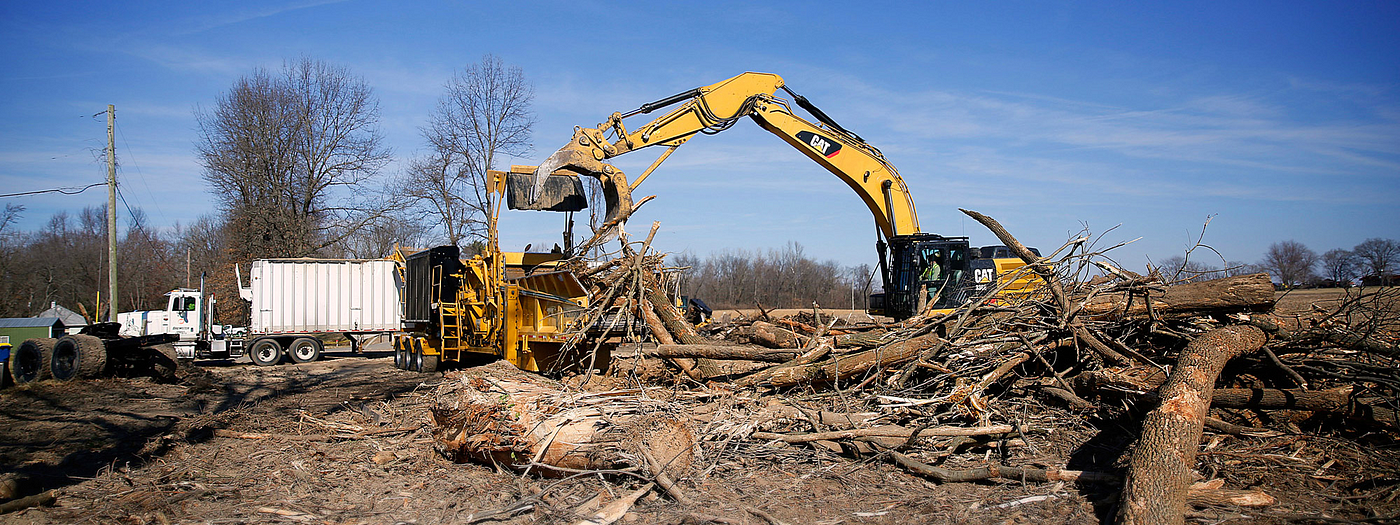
(111, 214)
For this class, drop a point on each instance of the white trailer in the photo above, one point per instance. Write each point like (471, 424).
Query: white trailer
(293, 301)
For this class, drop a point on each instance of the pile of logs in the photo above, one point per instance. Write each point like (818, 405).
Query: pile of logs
(1096, 338)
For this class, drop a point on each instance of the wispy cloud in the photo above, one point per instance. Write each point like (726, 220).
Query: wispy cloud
(205, 23)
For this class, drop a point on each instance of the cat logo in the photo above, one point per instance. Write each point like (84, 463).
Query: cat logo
(828, 147)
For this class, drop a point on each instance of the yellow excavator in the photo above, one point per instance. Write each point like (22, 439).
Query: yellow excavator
(524, 308)
(919, 271)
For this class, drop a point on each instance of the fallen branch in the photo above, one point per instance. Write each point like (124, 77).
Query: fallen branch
(748, 352)
(40, 499)
(844, 367)
(886, 431)
(1163, 461)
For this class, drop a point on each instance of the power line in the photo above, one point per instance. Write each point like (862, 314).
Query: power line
(71, 190)
(154, 202)
(134, 218)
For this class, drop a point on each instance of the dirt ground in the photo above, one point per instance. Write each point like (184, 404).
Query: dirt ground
(347, 440)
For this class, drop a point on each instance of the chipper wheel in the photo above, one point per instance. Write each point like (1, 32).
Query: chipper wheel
(30, 361)
(78, 357)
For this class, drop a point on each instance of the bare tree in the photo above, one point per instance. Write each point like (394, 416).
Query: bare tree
(1181, 268)
(1339, 266)
(1379, 256)
(289, 157)
(1290, 262)
(378, 238)
(1238, 268)
(483, 115)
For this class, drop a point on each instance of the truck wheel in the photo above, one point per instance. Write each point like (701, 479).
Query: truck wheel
(265, 352)
(305, 349)
(78, 357)
(32, 360)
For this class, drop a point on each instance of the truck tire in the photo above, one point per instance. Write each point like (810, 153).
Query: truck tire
(31, 361)
(305, 349)
(265, 352)
(78, 357)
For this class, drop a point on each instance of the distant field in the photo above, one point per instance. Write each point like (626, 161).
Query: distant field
(1301, 301)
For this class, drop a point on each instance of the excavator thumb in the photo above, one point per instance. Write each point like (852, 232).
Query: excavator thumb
(574, 160)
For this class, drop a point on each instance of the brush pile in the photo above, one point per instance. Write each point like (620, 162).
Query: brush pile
(970, 396)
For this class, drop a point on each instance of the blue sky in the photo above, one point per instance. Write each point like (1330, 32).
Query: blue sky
(1279, 119)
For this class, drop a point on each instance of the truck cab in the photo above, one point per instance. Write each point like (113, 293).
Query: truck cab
(185, 315)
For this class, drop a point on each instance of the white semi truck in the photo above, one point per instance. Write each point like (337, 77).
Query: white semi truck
(293, 302)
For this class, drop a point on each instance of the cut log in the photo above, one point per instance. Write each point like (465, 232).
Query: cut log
(845, 367)
(40, 499)
(1164, 457)
(1273, 398)
(772, 336)
(530, 424)
(658, 330)
(860, 339)
(748, 352)
(683, 331)
(1230, 294)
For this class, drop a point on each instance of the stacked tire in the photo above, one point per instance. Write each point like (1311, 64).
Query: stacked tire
(31, 360)
(78, 357)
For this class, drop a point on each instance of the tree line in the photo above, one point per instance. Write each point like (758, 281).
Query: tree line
(775, 278)
(1292, 264)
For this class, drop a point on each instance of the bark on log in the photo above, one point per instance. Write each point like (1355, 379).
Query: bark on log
(859, 340)
(658, 330)
(773, 336)
(677, 325)
(41, 499)
(1230, 294)
(1161, 466)
(750, 353)
(1273, 398)
(524, 423)
(844, 367)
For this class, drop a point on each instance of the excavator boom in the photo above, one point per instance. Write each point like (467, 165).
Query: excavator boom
(716, 107)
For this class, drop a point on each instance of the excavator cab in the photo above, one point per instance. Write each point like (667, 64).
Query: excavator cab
(923, 271)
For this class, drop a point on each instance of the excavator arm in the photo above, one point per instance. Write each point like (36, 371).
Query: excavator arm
(714, 108)
(917, 269)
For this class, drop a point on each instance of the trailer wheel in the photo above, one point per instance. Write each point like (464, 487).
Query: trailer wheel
(305, 349)
(32, 360)
(78, 357)
(265, 352)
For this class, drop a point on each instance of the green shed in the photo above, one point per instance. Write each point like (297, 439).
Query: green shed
(15, 330)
